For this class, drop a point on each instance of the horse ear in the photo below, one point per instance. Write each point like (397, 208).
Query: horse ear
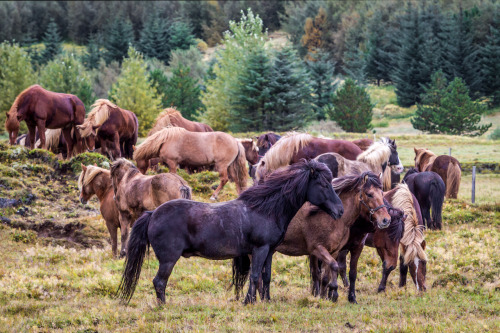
(415, 149)
(84, 168)
(423, 244)
(133, 147)
(365, 179)
(379, 176)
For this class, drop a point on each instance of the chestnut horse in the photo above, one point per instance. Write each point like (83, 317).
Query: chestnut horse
(251, 150)
(97, 181)
(175, 146)
(295, 146)
(42, 109)
(172, 117)
(136, 193)
(447, 167)
(115, 129)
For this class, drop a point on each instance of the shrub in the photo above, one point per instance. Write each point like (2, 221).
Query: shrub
(495, 135)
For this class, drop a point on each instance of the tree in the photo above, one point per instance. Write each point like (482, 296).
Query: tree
(352, 108)
(181, 36)
(448, 109)
(355, 55)
(92, 54)
(154, 42)
(191, 58)
(313, 33)
(52, 41)
(379, 54)
(133, 91)
(321, 73)
(490, 65)
(119, 36)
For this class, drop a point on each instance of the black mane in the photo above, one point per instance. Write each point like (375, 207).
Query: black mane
(410, 171)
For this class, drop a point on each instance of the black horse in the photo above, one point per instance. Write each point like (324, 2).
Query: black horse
(429, 189)
(254, 224)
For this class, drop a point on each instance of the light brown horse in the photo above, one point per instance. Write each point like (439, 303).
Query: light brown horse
(447, 167)
(313, 232)
(42, 109)
(97, 181)
(172, 117)
(136, 193)
(175, 146)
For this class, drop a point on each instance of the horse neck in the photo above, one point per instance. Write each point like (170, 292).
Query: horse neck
(101, 185)
(352, 207)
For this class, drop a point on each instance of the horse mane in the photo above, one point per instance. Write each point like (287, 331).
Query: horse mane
(52, 137)
(281, 153)
(424, 157)
(377, 154)
(254, 146)
(356, 182)
(413, 231)
(163, 120)
(272, 138)
(284, 191)
(97, 116)
(410, 171)
(152, 145)
(121, 162)
(14, 106)
(90, 174)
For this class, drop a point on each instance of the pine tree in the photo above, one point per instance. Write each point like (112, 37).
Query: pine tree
(313, 33)
(321, 74)
(183, 92)
(490, 65)
(249, 110)
(355, 61)
(119, 37)
(52, 40)
(377, 61)
(448, 109)
(290, 93)
(159, 81)
(154, 42)
(93, 54)
(181, 36)
(352, 108)
(134, 92)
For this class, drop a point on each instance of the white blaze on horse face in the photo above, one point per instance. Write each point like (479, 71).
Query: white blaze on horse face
(399, 168)
(416, 272)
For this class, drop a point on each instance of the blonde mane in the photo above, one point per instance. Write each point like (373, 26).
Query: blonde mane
(424, 157)
(98, 115)
(152, 145)
(163, 120)
(90, 174)
(52, 137)
(414, 233)
(377, 154)
(281, 153)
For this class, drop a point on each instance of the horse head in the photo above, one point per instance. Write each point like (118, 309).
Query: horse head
(119, 169)
(371, 198)
(394, 160)
(12, 127)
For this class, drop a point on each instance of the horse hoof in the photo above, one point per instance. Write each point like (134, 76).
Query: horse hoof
(213, 198)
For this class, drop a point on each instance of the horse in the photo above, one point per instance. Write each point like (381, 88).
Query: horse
(136, 193)
(97, 181)
(12, 125)
(172, 117)
(363, 144)
(42, 109)
(447, 167)
(175, 145)
(265, 142)
(253, 224)
(116, 129)
(316, 234)
(251, 151)
(429, 189)
(295, 146)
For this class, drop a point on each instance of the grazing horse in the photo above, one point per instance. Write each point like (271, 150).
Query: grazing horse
(447, 167)
(42, 109)
(295, 146)
(12, 125)
(115, 129)
(315, 233)
(97, 181)
(254, 224)
(136, 193)
(175, 146)
(171, 117)
(429, 189)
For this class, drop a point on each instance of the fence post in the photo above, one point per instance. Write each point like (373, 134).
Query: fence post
(473, 199)
(450, 151)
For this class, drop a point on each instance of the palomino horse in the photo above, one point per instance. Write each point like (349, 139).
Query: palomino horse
(429, 189)
(254, 224)
(295, 146)
(97, 181)
(42, 109)
(447, 167)
(175, 146)
(136, 193)
(116, 129)
(172, 117)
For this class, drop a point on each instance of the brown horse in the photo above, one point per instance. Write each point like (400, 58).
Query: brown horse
(266, 141)
(97, 181)
(172, 117)
(136, 193)
(115, 128)
(175, 146)
(42, 109)
(296, 146)
(447, 167)
(251, 150)
(363, 144)
(315, 233)
(12, 125)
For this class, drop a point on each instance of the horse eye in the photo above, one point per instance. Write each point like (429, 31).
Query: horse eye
(369, 195)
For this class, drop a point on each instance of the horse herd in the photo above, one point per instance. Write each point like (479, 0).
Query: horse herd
(314, 197)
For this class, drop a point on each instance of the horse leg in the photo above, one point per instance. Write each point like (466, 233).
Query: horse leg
(315, 275)
(353, 272)
(125, 222)
(427, 218)
(329, 279)
(223, 180)
(259, 256)
(32, 135)
(116, 152)
(266, 277)
(403, 272)
(69, 142)
(40, 125)
(161, 279)
(113, 233)
(342, 261)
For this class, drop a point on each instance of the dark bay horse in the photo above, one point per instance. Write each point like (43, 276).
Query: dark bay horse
(447, 167)
(266, 141)
(42, 109)
(254, 224)
(172, 117)
(429, 189)
(114, 128)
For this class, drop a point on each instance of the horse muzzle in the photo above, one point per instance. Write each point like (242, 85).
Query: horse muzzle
(384, 224)
(83, 201)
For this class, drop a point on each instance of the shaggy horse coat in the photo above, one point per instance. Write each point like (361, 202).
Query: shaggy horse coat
(171, 117)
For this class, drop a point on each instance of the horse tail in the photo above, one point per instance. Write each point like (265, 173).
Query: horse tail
(136, 251)
(185, 192)
(453, 179)
(436, 193)
(237, 170)
(241, 270)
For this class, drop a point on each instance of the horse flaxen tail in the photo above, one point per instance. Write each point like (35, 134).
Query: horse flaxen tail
(453, 179)
(237, 170)
(136, 251)
(241, 271)
(436, 193)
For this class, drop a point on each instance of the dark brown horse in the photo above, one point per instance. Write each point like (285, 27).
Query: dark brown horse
(447, 167)
(266, 141)
(42, 109)
(114, 128)
(172, 117)
(296, 146)
(251, 150)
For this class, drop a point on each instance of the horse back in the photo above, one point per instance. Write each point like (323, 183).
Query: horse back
(319, 146)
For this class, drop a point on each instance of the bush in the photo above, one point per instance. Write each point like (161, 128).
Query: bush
(352, 109)
(495, 135)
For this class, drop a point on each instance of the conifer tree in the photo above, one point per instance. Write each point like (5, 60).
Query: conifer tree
(52, 40)
(321, 73)
(93, 54)
(183, 92)
(119, 37)
(154, 42)
(379, 53)
(490, 65)
(313, 33)
(181, 36)
(355, 61)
